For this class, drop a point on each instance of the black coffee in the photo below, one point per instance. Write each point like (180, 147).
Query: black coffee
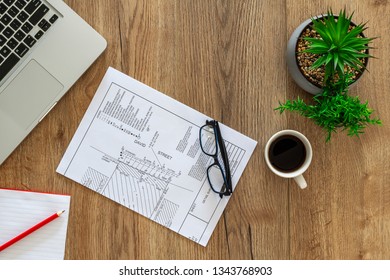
(287, 153)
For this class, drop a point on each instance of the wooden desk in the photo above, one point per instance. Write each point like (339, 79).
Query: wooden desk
(227, 60)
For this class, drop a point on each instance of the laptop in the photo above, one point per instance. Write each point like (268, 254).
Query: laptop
(44, 48)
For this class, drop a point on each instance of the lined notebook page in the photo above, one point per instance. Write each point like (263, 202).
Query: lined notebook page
(19, 211)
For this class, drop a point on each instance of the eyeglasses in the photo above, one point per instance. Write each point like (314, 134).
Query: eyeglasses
(212, 144)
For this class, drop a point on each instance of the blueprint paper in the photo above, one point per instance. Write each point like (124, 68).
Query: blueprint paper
(141, 149)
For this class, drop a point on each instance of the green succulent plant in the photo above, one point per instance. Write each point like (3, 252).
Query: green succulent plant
(334, 109)
(341, 43)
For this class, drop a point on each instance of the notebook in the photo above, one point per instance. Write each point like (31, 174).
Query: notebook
(44, 48)
(19, 211)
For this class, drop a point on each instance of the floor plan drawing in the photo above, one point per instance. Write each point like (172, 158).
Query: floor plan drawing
(141, 149)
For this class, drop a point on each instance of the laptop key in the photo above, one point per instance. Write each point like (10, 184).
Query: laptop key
(21, 50)
(44, 24)
(38, 14)
(32, 6)
(9, 2)
(19, 35)
(5, 51)
(5, 19)
(29, 41)
(39, 34)
(13, 11)
(2, 40)
(27, 27)
(15, 24)
(20, 4)
(3, 8)
(23, 16)
(53, 18)
(8, 64)
(8, 32)
(12, 43)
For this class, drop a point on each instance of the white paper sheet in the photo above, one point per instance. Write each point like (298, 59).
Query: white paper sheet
(21, 210)
(140, 148)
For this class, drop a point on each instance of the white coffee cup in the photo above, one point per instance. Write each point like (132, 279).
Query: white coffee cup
(296, 174)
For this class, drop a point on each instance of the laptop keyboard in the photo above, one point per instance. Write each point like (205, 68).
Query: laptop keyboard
(22, 24)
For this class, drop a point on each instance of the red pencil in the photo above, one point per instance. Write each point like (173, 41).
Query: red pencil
(31, 230)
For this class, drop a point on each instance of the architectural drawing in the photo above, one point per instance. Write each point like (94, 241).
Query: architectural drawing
(141, 149)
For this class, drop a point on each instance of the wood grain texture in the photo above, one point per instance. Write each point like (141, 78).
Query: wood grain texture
(227, 60)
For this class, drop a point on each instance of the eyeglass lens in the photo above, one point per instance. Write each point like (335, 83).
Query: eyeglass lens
(216, 178)
(208, 140)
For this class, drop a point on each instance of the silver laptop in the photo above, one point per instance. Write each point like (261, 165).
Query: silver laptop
(44, 48)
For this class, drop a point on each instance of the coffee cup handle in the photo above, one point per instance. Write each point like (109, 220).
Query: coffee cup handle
(300, 181)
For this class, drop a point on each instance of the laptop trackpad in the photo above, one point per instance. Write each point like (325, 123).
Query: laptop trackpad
(29, 94)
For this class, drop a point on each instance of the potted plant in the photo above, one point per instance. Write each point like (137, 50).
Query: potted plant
(337, 53)
(324, 44)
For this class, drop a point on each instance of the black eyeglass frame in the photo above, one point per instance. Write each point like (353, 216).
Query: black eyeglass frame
(227, 188)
